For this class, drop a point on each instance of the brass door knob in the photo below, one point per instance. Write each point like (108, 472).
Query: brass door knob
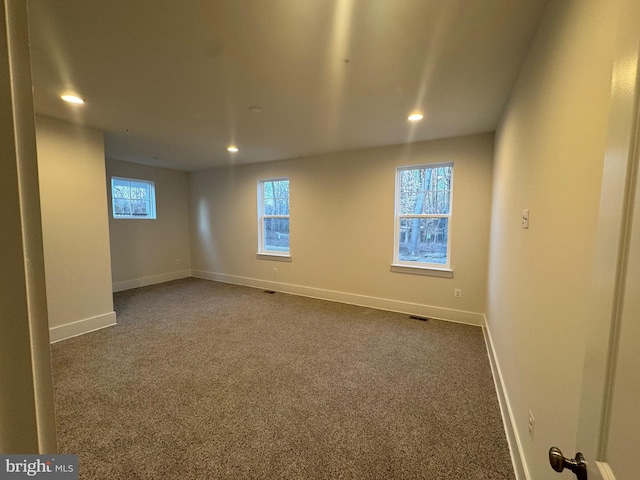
(559, 462)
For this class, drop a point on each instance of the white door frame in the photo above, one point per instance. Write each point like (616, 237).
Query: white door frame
(27, 422)
(621, 157)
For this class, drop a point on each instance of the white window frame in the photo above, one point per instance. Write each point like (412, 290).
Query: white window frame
(263, 253)
(151, 189)
(424, 268)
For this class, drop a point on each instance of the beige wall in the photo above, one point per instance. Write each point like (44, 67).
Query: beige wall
(342, 227)
(148, 251)
(549, 158)
(74, 226)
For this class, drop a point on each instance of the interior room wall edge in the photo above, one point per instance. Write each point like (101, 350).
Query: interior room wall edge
(150, 280)
(342, 223)
(429, 311)
(80, 327)
(508, 418)
(132, 263)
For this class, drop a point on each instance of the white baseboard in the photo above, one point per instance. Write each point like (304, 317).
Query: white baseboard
(144, 281)
(428, 311)
(605, 471)
(73, 329)
(515, 445)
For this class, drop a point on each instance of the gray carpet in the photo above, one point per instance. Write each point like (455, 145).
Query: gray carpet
(203, 380)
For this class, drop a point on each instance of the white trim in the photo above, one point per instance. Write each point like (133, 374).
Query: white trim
(397, 216)
(153, 279)
(428, 311)
(262, 216)
(416, 270)
(515, 445)
(605, 471)
(80, 327)
(151, 188)
(602, 324)
(278, 257)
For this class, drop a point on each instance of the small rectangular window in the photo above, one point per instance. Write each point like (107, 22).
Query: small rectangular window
(273, 216)
(132, 198)
(423, 216)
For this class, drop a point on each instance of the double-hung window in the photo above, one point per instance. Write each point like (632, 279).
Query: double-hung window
(423, 216)
(131, 198)
(273, 217)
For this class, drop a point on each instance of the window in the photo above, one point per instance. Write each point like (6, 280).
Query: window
(273, 216)
(133, 198)
(423, 216)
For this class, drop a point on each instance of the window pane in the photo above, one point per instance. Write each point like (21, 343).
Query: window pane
(121, 207)
(268, 189)
(140, 208)
(423, 240)
(282, 206)
(281, 188)
(274, 201)
(410, 185)
(440, 191)
(138, 184)
(269, 207)
(425, 190)
(120, 192)
(119, 182)
(138, 193)
(437, 202)
(276, 234)
(132, 198)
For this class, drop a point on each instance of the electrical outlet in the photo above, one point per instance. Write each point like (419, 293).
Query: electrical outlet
(275, 271)
(457, 292)
(178, 261)
(531, 425)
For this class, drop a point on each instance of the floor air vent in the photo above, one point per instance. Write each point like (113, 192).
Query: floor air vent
(269, 291)
(416, 317)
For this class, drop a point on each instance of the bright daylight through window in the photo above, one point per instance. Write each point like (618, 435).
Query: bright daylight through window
(133, 198)
(273, 216)
(423, 216)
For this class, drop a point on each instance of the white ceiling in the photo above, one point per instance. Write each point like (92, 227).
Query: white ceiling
(180, 75)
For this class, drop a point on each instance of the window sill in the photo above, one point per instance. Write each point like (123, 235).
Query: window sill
(429, 271)
(278, 257)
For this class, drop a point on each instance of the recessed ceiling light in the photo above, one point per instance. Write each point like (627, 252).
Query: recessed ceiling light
(232, 149)
(255, 109)
(72, 99)
(414, 117)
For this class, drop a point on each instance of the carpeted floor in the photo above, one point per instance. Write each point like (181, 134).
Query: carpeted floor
(203, 380)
